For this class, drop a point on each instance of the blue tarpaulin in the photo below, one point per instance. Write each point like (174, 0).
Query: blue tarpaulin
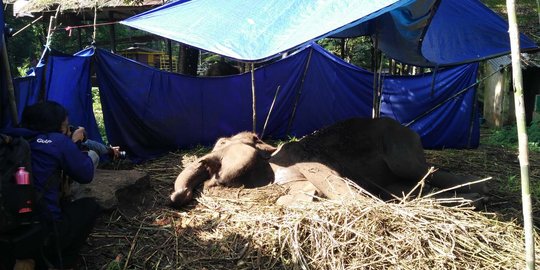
(67, 81)
(256, 29)
(426, 33)
(149, 112)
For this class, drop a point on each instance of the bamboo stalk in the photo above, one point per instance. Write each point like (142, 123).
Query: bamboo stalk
(270, 111)
(95, 23)
(522, 134)
(299, 93)
(28, 25)
(253, 97)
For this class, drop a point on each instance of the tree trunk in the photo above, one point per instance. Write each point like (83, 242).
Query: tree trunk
(6, 75)
(188, 60)
(522, 135)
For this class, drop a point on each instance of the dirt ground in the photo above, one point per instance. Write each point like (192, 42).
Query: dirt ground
(118, 237)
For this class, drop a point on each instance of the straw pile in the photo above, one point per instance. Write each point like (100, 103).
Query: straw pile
(243, 229)
(363, 234)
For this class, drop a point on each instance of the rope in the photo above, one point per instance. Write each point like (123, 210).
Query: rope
(69, 28)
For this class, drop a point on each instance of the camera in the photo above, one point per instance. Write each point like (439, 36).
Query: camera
(72, 130)
(122, 155)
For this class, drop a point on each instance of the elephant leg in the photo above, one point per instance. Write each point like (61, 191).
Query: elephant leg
(404, 155)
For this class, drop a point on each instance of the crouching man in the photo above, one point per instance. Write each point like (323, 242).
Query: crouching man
(65, 224)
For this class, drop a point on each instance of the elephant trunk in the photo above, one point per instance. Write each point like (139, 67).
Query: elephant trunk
(191, 177)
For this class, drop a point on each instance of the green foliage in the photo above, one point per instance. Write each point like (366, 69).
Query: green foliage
(507, 136)
(357, 51)
(21, 70)
(527, 15)
(98, 113)
(513, 185)
(24, 49)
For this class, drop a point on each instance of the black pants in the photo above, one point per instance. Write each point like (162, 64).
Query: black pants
(67, 236)
(60, 240)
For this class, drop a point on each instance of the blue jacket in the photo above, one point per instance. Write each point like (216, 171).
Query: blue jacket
(52, 152)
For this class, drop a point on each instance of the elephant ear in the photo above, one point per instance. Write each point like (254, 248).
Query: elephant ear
(212, 163)
(220, 143)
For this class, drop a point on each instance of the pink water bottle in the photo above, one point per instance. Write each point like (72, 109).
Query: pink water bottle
(22, 178)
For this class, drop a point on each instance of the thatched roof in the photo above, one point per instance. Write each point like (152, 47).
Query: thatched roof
(35, 6)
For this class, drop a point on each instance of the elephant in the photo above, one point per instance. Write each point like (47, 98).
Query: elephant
(380, 155)
(221, 68)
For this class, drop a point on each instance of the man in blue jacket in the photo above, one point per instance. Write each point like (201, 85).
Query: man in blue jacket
(68, 223)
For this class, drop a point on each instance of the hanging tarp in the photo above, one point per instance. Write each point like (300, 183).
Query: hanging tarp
(425, 33)
(409, 100)
(149, 112)
(67, 82)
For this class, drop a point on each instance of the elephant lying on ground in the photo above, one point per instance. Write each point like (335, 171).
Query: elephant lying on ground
(380, 155)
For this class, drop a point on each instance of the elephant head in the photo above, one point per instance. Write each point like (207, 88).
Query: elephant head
(233, 162)
(248, 138)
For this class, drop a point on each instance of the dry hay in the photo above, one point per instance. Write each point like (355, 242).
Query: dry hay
(243, 229)
(250, 232)
(362, 234)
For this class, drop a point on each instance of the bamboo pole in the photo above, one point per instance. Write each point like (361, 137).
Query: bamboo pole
(253, 97)
(270, 111)
(95, 24)
(28, 25)
(299, 93)
(522, 134)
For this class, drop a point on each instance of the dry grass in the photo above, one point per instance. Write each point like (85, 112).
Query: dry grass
(244, 229)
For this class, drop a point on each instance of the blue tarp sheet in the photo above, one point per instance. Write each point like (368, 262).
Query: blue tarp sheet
(426, 33)
(68, 83)
(256, 29)
(149, 112)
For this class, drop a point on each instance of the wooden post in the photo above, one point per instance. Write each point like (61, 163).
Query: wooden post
(522, 135)
(169, 52)
(342, 45)
(6, 74)
(79, 39)
(375, 61)
(112, 32)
